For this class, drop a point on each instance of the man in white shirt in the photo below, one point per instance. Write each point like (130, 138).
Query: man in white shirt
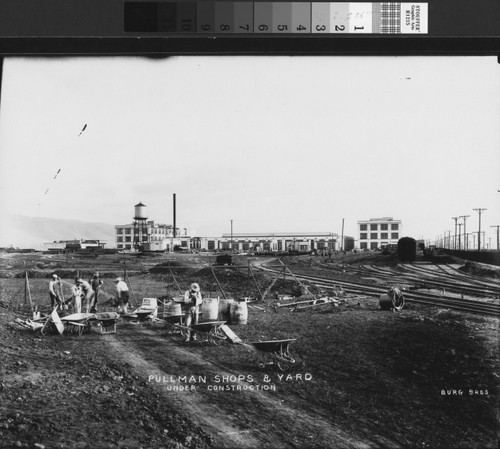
(123, 294)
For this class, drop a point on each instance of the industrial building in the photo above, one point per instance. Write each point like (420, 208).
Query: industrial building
(377, 232)
(280, 241)
(146, 235)
(60, 246)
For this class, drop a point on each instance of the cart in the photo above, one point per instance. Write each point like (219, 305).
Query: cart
(77, 323)
(171, 322)
(52, 323)
(274, 352)
(210, 331)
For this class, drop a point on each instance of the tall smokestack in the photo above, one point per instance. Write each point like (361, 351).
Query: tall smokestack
(174, 218)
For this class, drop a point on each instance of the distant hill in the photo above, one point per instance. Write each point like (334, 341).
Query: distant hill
(32, 232)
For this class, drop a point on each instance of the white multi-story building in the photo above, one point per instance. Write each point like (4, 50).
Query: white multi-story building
(155, 237)
(377, 232)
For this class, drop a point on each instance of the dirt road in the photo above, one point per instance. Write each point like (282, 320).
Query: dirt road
(250, 418)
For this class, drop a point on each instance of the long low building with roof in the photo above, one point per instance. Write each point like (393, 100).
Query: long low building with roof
(275, 242)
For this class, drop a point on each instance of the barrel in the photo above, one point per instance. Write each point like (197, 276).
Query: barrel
(172, 309)
(210, 309)
(225, 308)
(385, 302)
(239, 312)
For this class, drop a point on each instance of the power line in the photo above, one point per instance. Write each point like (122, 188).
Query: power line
(455, 238)
(479, 211)
(498, 235)
(466, 243)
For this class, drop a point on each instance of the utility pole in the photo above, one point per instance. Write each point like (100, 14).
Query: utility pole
(231, 244)
(455, 239)
(479, 211)
(459, 235)
(342, 238)
(465, 231)
(498, 235)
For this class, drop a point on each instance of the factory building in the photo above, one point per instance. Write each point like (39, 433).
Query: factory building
(377, 232)
(147, 235)
(280, 241)
(73, 245)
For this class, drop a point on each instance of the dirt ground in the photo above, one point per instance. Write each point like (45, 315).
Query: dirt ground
(363, 378)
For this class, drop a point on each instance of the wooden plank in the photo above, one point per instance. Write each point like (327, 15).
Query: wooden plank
(232, 337)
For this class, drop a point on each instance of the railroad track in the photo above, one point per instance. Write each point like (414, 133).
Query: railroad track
(430, 277)
(455, 274)
(431, 299)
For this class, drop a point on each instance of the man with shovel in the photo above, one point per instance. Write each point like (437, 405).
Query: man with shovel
(54, 286)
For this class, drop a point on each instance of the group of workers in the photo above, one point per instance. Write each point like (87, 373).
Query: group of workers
(85, 294)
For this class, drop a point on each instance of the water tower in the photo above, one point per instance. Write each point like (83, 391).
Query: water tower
(140, 226)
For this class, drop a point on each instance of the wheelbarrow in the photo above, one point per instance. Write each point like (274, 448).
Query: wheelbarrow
(274, 352)
(77, 323)
(209, 331)
(172, 323)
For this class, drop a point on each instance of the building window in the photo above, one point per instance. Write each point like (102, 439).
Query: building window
(373, 227)
(128, 231)
(384, 227)
(373, 245)
(384, 235)
(363, 236)
(394, 235)
(363, 227)
(119, 230)
(394, 227)
(128, 239)
(211, 245)
(373, 235)
(120, 239)
(128, 246)
(364, 245)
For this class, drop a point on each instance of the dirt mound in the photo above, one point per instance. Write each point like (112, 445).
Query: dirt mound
(477, 269)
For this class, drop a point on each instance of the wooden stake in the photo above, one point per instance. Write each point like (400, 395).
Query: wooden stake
(127, 280)
(216, 280)
(268, 289)
(27, 292)
(300, 283)
(175, 280)
(255, 281)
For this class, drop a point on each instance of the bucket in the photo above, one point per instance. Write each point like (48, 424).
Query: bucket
(172, 309)
(239, 312)
(225, 308)
(210, 309)
(385, 302)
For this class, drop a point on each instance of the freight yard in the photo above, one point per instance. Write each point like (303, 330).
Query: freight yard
(350, 375)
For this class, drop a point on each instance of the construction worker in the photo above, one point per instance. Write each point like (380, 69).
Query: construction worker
(96, 283)
(77, 293)
(54, 286)
(87, 294)
(123, 295)
(192, 302)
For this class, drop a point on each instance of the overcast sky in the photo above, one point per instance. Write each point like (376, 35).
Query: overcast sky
(273, 143)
